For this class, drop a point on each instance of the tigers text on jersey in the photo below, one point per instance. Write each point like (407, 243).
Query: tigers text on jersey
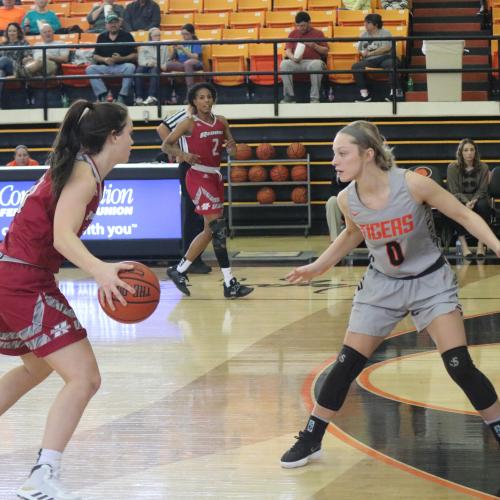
(30, 237)
(400, 237)
(206, 140)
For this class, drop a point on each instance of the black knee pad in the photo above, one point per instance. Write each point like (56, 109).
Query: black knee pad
(462, 370)
(348, 366)
(219, 233)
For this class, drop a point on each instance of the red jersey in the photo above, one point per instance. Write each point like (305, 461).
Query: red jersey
(31, 233)
(309, 53)
(206, 140)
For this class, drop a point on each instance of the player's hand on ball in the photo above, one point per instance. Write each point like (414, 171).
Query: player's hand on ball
(302, 273)
(108, 280)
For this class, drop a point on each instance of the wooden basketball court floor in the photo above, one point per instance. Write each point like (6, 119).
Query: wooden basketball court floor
(201, 399)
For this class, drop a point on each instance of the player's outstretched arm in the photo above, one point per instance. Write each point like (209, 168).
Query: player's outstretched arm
(69, 214)
(425, 190)
(346, 241)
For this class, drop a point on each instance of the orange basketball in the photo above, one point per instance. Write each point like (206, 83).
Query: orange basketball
(299, 194)
(243, 152)
(239, 174)
(141, 305)
(265, 151)
(279, 173)
(266, 195)
(257, 174)
(296, 150)
(299, 173)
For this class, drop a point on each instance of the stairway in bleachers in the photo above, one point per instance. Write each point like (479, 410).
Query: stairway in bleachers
(455, 17)
(422, 141)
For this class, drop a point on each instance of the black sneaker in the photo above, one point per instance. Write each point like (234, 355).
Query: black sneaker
(301, 452)
(180, 280)
(236, 290)
(199, 267)
(368, 98)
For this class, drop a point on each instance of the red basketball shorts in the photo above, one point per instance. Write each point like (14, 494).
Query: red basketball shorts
(34, 314)
(206, 190)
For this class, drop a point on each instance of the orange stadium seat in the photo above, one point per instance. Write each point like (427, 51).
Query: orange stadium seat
(281, 19)
(262, 59)
(184, 6)
(351, 17)
(250, 5)
(250, 19)
(323, 5)
(268, 33)
(68, 22)
(72, 38)
(172, 22)
(289, 5)
(78, 9)
(400, 45)
(394, 17)
(323, 18)
(207, 35)
(240, 34)
(219, 5)
(209, 20)
(140, 35)
(229, 58)
(61, 9)
(88, 37)
(341, 56)
(171, 35)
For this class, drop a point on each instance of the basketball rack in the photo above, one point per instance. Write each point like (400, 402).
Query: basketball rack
(234, 205)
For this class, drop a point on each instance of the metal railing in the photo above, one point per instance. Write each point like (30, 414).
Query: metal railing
(396, 73)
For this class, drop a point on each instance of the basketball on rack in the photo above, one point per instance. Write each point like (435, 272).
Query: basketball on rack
(299, 194)
(265, 151)
(257, 174)
(279, 173)
(139, 306)
(299, 173)
(239, 174)
(266, 195)
(296, 150)
(243, 152)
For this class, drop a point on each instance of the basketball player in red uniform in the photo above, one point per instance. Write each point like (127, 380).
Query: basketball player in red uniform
(202, 137)
(36, 321)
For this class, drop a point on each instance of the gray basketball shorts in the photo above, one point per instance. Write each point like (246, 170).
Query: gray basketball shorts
(380, 301)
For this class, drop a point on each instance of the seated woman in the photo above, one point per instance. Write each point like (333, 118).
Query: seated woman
(148, 63)
(467, 180)
(22, 158)
(12, 59)
(186, 57)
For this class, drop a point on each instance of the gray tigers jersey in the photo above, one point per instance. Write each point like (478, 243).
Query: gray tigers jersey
(400, 237)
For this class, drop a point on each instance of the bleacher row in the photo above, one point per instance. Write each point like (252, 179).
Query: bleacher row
(255, 25)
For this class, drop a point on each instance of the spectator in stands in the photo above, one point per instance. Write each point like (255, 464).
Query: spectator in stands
(467, 179)
(55, 57)
(97, 16)
(9, 13)
(141, 15)
(39, 16)
(394, 4)
(374, 54)
(118, 59)
(304, 57)
(22, 158)
(11, 60)
(148, 63)
(186, 57)
(357, 4)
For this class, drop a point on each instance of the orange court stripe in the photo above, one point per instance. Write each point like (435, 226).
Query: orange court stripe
(308, 398)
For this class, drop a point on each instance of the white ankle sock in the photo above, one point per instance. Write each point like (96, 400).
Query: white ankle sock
(228, 275)
(364, 93)
(183, 265)
(50, 457)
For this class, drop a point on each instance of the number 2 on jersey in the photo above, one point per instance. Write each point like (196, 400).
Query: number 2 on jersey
(215, 149)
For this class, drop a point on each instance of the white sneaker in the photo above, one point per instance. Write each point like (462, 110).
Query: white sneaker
(150, 100)
(43, 483)
(139, 101)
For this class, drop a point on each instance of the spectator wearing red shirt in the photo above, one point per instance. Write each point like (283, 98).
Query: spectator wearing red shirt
(303, 57)
(22, 158)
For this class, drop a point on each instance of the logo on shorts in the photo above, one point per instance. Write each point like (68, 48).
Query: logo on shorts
(454, 362)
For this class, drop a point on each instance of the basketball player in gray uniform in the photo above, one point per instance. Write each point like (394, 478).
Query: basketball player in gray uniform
(389, 208)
